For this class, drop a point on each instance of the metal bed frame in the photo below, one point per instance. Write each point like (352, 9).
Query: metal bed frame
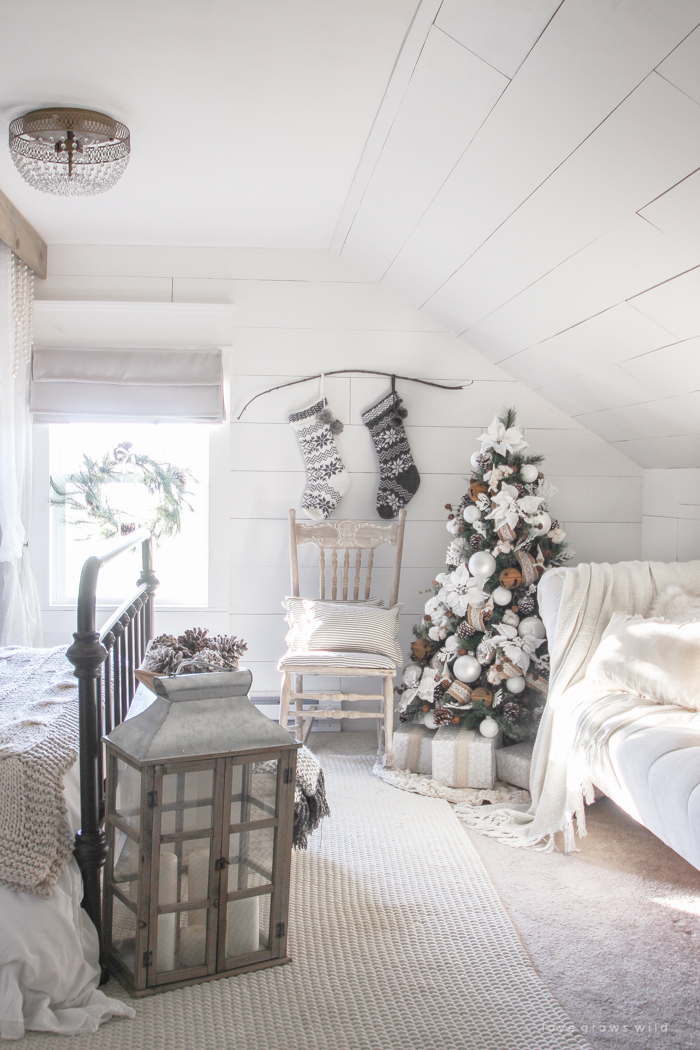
(104, 665)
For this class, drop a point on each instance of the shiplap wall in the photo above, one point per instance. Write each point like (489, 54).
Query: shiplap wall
(671, 514)
(298, 313)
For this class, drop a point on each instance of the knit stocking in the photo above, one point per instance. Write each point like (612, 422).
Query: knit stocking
(398, 477)
(327, 478)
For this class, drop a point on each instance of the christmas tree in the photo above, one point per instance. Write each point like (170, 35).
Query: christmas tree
(481, 651)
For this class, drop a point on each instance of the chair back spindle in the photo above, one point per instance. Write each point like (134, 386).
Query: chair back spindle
(347, 536)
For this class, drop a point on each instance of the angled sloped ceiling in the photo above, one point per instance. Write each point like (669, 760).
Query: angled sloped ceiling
(533, 182)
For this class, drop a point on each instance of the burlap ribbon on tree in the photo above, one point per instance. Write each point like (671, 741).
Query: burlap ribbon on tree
(459, 692)
(529, 567)
(479, 615)
(506, 534)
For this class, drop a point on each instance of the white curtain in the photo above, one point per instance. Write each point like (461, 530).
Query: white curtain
(20, 611)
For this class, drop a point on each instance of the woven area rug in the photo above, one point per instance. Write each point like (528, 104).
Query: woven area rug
(421, 784)
(399, 942)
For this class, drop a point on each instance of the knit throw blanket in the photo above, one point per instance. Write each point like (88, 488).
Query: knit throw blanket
(38, 745)
(310, 804)
(576, 718)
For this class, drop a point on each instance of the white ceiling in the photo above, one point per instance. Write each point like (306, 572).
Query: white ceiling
(529, 174)
(247, 117)
(535, 186)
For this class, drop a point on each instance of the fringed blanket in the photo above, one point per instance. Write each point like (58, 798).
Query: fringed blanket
(310, 804)
(38, 745)
(575, 718)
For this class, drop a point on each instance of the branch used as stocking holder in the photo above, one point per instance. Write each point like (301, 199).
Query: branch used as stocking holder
(351, 371)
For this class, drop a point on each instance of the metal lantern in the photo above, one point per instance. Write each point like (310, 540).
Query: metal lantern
(199, 816)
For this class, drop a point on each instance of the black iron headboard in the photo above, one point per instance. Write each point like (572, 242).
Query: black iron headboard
(104, 665)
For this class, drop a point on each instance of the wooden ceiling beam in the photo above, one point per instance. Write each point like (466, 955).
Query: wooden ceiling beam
(22, 238)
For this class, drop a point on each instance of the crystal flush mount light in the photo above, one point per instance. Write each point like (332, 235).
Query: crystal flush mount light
(71, 152)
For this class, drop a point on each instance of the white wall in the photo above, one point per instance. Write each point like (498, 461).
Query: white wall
(297, 313)
(671, 514)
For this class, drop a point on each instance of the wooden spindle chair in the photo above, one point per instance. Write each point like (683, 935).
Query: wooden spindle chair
(352, 539)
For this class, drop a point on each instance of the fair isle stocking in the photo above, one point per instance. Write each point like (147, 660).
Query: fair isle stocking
(326, 476)
(398, 476)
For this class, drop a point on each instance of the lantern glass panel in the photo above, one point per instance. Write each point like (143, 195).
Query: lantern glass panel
(124, 933)
(254, 792)
(247, 926)
(250, 859)
(126, 865)
(128, 794)
(187, 801)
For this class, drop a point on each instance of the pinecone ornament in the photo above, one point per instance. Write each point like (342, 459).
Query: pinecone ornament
(510, 712)
(443, 716)
(526, 605)
(465, 630)
(475, 542)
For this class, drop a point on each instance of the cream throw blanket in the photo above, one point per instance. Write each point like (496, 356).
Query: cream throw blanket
(38, 745)
(577, 721)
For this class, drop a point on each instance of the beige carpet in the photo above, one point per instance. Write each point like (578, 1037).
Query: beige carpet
(398, 938)
(613, 930)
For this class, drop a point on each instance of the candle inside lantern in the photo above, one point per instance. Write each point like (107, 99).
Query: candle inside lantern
(197, 883)
(242, 924)
(167, 894)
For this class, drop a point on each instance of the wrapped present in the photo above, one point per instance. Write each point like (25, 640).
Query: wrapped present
(463, 758)
(513, 764)
(412, 747)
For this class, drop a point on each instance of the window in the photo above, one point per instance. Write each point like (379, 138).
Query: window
(181, 561)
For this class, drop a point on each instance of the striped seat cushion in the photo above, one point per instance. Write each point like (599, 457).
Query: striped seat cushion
(324, 658)
(348, 628)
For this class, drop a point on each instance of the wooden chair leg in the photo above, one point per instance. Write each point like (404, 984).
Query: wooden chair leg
(388, 721)
(299, 706)
(308, 723)
(285, 693)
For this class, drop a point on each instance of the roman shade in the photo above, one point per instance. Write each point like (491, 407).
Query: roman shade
(147, 386)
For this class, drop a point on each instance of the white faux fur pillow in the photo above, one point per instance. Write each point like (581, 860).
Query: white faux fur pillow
(676, 605)
(651, 658)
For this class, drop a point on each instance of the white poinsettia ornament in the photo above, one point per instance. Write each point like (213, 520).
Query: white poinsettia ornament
(503, 439)
(461, 590)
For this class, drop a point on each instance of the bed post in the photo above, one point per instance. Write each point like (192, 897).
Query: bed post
(87, 654)
(149, 578)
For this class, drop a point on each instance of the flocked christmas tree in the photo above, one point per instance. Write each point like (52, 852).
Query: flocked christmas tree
(481, 651)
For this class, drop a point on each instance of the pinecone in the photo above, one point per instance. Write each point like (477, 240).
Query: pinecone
(162, 659)
(510, 712)
(443, 716)
(465, 630)
(475, 542)
(438, 693)
(195, 639)
(229, 648)
(526, 605)
(164, 641)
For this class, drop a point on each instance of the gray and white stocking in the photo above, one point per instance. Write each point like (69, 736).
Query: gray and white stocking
(327, 478)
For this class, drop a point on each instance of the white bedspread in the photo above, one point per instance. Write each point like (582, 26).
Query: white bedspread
(49, 969)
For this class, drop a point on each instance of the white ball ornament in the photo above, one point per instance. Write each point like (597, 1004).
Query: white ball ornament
(531, 627)
(515, 685)
(453, 643)
(488, 728)
(540, 524)
(471, 514)
(482, 565)
(502, 596)
(529, 473)
(429, 720)
(466, 669)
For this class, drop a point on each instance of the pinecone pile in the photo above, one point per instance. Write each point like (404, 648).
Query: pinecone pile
(193, 652)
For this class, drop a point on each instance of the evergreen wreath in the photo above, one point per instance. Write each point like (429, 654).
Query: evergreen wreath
(82, 491)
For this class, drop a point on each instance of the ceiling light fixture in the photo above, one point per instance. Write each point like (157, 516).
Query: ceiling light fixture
(72, 152)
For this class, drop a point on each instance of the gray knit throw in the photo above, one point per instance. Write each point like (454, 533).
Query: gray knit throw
(38, 745)
(310, 804)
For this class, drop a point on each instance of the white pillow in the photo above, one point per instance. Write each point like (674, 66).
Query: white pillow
(297, 617)
(344, 627)
(650, 658)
